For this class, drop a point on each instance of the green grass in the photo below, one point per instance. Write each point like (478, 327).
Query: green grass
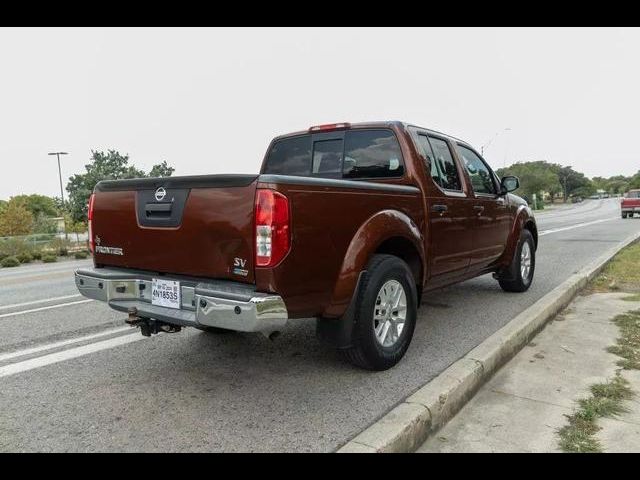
(628, 344)
(606, 400)
(622, 273)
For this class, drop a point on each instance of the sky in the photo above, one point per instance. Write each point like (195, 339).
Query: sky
(210, 100)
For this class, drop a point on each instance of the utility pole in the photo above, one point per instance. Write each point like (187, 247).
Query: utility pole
(64, 221)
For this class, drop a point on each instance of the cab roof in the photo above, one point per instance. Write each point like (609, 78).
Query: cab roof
(371, 124)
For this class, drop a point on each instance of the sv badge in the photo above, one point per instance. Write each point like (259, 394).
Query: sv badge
(239, 264)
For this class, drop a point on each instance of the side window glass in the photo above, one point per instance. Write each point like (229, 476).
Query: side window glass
(479, 174)
(447, 170)
(428, 154)
(372, 154)
(327, 158)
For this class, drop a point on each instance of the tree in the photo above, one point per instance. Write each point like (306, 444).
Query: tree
(3, 206)
(76, 227)
(38, 204)
(103, 166)
(44, 224)
(535, 177)
(615, 184)
(635, 181)
(161, 170)
(15, 219)
(618, 184)
(570, 180)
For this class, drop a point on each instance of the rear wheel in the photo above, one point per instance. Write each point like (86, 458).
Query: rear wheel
(519, 275)
(624, 215)
(385, 314)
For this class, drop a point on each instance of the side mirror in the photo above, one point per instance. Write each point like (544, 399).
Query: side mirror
(509, 184)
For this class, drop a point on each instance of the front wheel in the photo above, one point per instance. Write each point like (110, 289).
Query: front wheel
(385, 314)
(519, 275)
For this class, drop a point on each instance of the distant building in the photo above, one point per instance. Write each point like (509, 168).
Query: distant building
(59, 223)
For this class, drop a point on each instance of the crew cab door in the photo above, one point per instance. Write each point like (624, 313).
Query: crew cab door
(448, 210)
(492, 219)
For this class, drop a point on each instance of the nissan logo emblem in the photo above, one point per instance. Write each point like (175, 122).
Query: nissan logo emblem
(160, 194)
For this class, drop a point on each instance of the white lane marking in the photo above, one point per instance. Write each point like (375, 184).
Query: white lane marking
(76, 352)
(22, 312)
(62, 343)
(52, 299)
(578, 225)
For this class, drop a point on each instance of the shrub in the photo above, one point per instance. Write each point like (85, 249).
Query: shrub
(3, 256)
(60, 246)
(12, 247)
(80, 255)
(49, 258)
(37, 255)
(24, 257)
(10, 262)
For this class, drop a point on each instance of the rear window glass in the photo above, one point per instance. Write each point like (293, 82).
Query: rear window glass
(327, 158)
(290, 156)
(635, 194)
(372, 153)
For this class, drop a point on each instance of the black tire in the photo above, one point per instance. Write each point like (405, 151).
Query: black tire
(511, 280)
(624, 215)
(365, 350)
(216, 330)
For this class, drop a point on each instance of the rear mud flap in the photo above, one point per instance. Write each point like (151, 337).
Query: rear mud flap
(337, 331)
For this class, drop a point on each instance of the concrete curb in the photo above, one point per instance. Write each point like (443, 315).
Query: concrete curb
(421, 414)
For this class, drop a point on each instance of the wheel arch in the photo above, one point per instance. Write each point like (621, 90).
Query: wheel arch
(388, 231)
(523, 220)
(533, 228)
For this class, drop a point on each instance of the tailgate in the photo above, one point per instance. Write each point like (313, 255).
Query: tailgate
(200, 226)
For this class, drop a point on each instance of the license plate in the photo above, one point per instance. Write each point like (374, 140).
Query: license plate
(165, 293)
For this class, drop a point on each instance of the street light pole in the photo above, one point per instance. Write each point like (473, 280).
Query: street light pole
(508, 129)
(64, 221)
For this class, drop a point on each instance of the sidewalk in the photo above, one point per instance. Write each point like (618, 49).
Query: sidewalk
(523, 407)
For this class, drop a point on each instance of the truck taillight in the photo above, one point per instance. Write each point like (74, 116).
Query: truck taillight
(90, 218)
(273, 235)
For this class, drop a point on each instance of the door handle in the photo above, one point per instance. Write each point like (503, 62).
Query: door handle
(479, 209)
(439, 209)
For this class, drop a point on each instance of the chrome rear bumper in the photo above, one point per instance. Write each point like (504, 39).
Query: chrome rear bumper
(223, 304)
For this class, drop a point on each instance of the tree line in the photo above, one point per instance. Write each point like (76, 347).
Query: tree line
(540, 177)
(32, 214)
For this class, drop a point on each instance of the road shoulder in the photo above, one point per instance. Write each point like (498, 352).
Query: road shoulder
(524, 406)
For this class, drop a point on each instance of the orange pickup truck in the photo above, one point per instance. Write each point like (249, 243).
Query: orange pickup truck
(346, 223)
(630, 204)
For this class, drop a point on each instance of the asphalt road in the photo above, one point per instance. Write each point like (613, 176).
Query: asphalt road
(72, 378)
